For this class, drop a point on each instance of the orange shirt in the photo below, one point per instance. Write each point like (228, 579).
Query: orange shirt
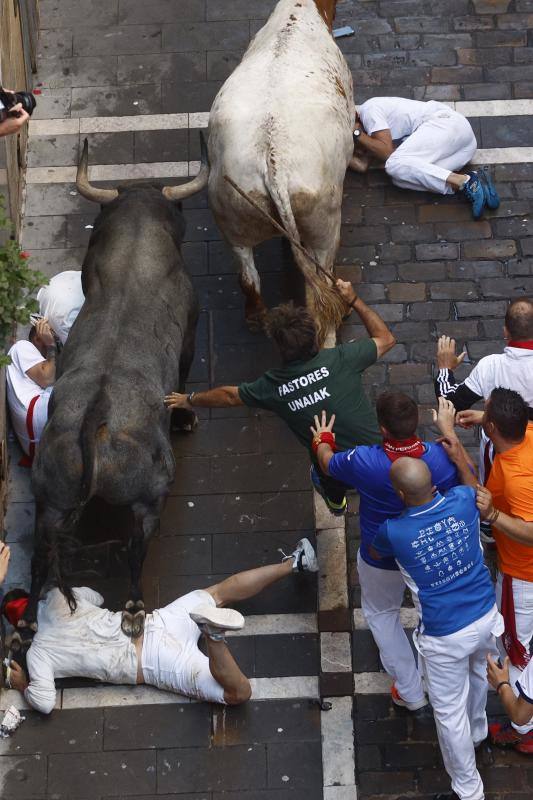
(511, 484)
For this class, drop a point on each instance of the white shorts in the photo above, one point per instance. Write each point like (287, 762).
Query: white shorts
(171, 659)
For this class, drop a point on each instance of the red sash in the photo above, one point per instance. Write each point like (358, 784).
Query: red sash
(523, 345)
(398, 448)
(27, 460)
(513, 646)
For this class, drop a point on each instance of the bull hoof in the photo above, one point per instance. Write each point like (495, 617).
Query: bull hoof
(184, 420)
(133, 619)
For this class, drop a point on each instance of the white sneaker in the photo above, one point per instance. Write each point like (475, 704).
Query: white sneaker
(304, 556)
(214, 622)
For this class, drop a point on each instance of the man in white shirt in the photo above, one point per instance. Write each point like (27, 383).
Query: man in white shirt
(29, 379)
(60, 301)
(423, 145)
(89, 641)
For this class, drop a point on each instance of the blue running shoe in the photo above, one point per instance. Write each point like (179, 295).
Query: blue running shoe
(339, 509)
(473, 191)
(492, 198)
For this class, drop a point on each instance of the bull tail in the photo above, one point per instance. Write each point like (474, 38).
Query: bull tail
(95, 418)
(327, 303)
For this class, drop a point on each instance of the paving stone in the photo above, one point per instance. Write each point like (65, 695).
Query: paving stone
(54, 42)
(64, 13)
(267, 721)
(151, 727)
(503, 248)
(506, 132)
(135, 12)
(101, 773)
(487, 91)
(161, 146)
(110, 101)
(234, 552)
(279, 656)
(110, 148)
(23, 776)
(155, 67)
(56, 199)
(453, 290)
(174, 555)
(44, 232)
(184, 36)
(53, 104)
(57, 72)
(135, 39)
(51, 151)
(298, 764)
(64, 732)
(309, 793)
(201, 769)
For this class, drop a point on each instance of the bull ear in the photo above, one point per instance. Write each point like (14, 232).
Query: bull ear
(198, 183)
(102, 196)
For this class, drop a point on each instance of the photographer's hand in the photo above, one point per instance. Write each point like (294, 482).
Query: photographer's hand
(14, 121)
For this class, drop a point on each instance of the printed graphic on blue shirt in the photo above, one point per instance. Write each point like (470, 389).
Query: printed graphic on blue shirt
(439, 551)
(367, 470)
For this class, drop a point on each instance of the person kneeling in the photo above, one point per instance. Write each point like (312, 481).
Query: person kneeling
(89, 642)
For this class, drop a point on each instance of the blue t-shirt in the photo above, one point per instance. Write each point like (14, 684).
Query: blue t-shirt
(438, 549)
(367, 470)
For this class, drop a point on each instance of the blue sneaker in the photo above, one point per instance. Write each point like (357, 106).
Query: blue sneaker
(492, 198)
(339, 509)
(473, 191)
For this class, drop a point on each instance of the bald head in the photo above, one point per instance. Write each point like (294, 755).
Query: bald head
(411, 479)
(519, 320)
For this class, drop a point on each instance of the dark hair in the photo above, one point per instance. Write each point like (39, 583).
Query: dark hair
(294, 331)
(509, 412)
(13, 594)
(32, 334)
(519, 319)
(398, 413)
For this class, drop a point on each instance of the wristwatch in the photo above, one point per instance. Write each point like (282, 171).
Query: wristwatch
(357, 133)
(190, 397)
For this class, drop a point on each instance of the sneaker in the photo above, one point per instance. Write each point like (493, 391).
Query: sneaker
(446, 796)
(525, 745)
(503, 734)
(492, 198)
(304, 557)
(214, 622)
(473, 191)
(338, 509)
(398, 700)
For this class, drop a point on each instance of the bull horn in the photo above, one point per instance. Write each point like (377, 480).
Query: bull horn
(197, 184)
(102, 196)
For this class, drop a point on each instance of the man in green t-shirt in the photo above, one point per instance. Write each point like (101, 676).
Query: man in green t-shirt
(309, 381)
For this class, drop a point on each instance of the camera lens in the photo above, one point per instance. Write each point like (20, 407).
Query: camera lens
(27, 100)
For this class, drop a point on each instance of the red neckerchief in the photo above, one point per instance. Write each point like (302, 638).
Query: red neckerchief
(15, 609)
(398, 448)
(523, 345)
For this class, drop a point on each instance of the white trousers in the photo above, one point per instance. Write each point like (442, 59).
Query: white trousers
(442, 144)
(523, 610)
(455, 670)
(381, 599)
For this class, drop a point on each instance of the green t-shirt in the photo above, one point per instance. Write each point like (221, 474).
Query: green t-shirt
(331, 381)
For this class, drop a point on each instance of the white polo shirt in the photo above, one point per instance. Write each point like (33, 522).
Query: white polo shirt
(20, 388)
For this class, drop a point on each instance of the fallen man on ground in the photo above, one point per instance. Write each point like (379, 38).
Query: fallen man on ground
(89, 641)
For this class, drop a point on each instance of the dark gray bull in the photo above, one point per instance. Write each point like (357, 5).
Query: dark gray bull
(133, 342)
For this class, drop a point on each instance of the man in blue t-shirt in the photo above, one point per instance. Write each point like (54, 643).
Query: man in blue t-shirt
(382, 586)
(437, 546)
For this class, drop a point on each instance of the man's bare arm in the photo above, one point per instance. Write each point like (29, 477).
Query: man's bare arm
(514, 527)
(376, 327)
(219, 397)
(379, 144)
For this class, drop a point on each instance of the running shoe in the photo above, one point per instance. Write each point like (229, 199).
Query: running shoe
(503, 734)
(492, 198)
(214, 622)
(473, 191)
(304, 557)
(398, 700)
(338, 509)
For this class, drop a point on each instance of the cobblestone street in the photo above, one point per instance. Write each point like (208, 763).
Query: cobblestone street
(137, 79)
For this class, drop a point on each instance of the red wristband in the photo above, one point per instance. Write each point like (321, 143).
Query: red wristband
(324, 437)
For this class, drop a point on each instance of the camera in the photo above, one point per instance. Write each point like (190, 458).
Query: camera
(10, 99)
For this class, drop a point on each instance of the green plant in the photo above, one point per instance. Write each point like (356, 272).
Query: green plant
(17, 284)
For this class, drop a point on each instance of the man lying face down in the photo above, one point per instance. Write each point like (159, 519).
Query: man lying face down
(89, 642)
